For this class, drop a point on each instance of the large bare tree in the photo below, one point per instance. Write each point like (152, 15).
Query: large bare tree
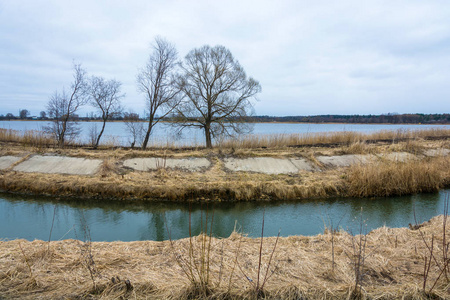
(156, 82)
(217, 93)
(63, 106)
(105, 97)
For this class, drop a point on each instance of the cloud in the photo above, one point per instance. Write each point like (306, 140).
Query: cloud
(315, 57)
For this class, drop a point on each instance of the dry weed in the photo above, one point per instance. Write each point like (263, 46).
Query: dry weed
(387, 178)
(147, 269)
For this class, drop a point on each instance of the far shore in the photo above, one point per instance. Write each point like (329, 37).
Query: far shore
(271, 122)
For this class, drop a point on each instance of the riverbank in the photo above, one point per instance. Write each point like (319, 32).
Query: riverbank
(357, 169)
(387, 263)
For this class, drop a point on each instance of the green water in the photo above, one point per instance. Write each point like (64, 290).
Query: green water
(32, 218)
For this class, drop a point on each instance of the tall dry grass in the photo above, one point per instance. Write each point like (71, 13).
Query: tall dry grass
(356, 140)
(388, 178)
(331, 138)
(32, 138)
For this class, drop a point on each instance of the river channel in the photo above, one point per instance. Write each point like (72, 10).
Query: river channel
(43, 218)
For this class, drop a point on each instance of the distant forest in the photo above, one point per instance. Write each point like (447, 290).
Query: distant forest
(362, 119)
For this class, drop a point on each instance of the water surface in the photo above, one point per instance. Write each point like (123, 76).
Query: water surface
(31, 218)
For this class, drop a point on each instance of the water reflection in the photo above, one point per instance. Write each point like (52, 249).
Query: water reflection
(31, 217)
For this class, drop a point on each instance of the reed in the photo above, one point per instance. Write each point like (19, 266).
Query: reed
(31, 138)
(36, 138)
(331, 138)
(387, 178)
(195, 264)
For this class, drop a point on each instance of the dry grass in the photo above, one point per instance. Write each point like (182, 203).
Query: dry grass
(331, 138)
(347, 138)
(301, 268)
(172, 185)
(378, 178)
(387, 178)
(28, 138)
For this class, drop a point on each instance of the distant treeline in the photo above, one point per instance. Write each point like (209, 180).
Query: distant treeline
(364, 119)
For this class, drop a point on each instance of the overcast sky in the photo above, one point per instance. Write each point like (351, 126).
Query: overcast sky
(310, 57)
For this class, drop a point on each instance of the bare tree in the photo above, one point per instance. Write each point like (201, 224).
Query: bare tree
(156, 82)
(134, 127)
(62, 128)
(105, 97)
(62, 107)
(217, 93)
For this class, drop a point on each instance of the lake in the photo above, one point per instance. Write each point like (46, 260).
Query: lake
(32, 217)
(116, 133)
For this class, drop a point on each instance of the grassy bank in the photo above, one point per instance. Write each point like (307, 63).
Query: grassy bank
(380, 177)
(387, 263)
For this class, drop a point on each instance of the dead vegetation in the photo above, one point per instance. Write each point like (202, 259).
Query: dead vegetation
(301, 267)
(378, 178)
(39, 139)
(346, 138)
(387, 178)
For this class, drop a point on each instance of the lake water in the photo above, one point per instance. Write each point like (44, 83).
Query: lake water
(116, 133)
(31, 217)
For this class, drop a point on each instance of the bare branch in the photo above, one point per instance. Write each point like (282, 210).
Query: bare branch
(156, 82)
(105, 97)
(217, 93)
(62, 107)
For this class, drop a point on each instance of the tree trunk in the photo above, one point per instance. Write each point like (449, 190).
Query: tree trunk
(147, 135)
(208, 136)
(100, 134)
(61, 136)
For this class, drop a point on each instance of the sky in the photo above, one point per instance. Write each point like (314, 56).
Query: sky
(310, 57)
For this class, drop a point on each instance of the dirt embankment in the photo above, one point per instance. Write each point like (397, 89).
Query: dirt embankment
(356, 170)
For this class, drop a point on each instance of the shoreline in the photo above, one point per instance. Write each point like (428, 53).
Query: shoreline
(268, 122)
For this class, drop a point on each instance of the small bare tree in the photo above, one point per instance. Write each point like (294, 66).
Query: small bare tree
(62, 128)
(156, 82)
(217, 93)
(63, 106)
(134, 127)
(105, 97)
